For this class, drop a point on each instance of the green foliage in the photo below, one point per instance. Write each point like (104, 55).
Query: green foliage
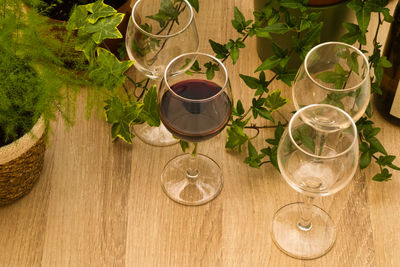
(33, 74)
(275, 18)
(107, 71)
(121, 115)
(95, 22)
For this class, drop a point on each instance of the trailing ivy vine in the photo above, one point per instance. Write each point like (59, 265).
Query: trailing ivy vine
(97, 21)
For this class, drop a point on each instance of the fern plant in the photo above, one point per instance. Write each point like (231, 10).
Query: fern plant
(32, 76)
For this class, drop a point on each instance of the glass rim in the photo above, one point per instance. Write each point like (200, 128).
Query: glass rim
(353, 125)
(195, 100)
(162, 36)
(334, 89)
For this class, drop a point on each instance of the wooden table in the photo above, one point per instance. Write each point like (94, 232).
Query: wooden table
(100, 203)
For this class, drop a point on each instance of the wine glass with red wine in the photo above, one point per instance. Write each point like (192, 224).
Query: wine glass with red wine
(153, 39)
(194, 105)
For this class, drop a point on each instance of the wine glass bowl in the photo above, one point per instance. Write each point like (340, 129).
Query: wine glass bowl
(317, 156)
(194, 105)
(334, 73)
(157, 33)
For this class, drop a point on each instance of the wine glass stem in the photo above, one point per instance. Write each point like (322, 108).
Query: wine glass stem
(306, 214)
(193, 172)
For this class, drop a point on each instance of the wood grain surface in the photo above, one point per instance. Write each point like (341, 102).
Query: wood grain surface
(100, 203)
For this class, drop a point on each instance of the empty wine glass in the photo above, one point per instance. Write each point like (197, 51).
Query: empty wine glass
(334, 73)
(157, 32)
(194, 105)
(317, 156)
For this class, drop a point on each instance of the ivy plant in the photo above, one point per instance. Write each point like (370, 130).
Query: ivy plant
(97, 21)
(276, 18)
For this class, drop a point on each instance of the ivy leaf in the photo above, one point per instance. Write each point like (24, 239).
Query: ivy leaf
(150, 108)
(377, 145)
(365, 159)
(363, 17)
(78, 18)
(277, 134)
(105, 28)
(293, 4)
(387, 161)
(121, 116)
(167, 11)
(85, 43)
(263, 112)
(272, 153)
(211, 68)
(194, 4)
(233, 47)
(99, 10)
(383, 176)
(278, 28)
(236, 135)
(251, 82)
(269, 63)
(253, 159)
(240, 23)
(109, 71)
(184, 145)
(274, 100)
(219, 49)
(303, 135)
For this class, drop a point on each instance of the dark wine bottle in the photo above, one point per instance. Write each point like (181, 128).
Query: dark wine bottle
(388, 104)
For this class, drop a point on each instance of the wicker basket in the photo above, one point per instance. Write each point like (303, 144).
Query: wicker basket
(21, 163)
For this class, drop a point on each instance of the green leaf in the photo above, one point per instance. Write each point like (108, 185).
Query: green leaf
(234, 52)
(99, 10)
(269, 63)
(253, 159)
(184, 145)
(263, 112)
(240, 23)
(121, 116)
(194, 4)
(219, 49)
(303, 134)
(239, 108)
(122, 130)
(78, 18)
(109, 71)
(85, 43)
(278, 28)
(293, 4)
(211, 68)
(251, 82)
(387, 161)
(105, 28)
(274, 100)
(166, 12)
(236, 136)
(363, 17)
(365, 159)
(150, 108)
(386, 15)
(272, 153)
(383, 176)
(377, 145)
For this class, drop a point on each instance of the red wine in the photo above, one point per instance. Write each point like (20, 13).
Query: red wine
(195, 121)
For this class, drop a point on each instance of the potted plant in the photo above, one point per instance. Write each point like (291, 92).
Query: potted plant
(32, 93)
(59, 11)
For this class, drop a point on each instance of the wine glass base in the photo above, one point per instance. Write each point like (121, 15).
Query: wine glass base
(155, 136)
(192, 191)
(301, 244)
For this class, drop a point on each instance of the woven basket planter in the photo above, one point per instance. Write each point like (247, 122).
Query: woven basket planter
(21, 163)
